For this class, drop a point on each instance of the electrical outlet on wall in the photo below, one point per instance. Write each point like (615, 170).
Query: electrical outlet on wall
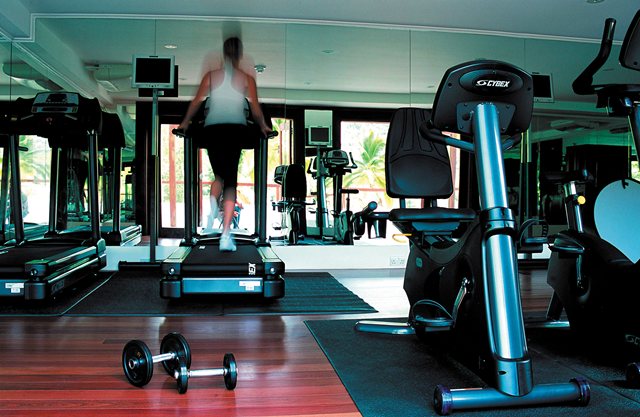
(397, 261)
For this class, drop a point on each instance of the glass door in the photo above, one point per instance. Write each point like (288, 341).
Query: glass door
(172, 207)
(171, 183)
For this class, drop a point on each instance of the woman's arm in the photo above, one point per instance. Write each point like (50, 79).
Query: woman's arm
(203, 89)
(256, 110)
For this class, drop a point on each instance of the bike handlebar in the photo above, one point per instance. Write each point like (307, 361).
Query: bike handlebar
(370, 208)
(436, 136)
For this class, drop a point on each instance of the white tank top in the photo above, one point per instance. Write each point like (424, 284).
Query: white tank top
(226, 104)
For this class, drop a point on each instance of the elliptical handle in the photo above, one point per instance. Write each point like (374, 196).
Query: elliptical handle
(583, 84)
(353, 162)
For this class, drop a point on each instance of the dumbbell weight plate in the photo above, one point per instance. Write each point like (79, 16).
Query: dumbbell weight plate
(231, 377)
(183, 376)
(137, 362)
(175, 342)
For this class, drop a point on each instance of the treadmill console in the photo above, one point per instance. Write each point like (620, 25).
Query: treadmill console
(66, 103)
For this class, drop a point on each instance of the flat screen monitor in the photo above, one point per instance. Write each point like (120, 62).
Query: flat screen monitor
(542, 88)
(164, 92)
(319, 136)
(152, 71)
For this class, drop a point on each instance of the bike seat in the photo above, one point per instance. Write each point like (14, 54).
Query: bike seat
(348, 191)
(431, 214)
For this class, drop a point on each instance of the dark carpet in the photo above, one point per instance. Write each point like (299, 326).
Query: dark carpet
(137, 293)
(396, 375)
(55, 306)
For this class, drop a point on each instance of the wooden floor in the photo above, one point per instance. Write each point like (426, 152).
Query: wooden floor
(71, 366)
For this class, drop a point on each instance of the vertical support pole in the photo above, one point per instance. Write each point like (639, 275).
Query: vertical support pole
(188, 189)
(16, 195)
(502, 290)
(116, 163)
(92, 137)
(4, 185)
(153, 194)
(634, 121)
(322, 218)
(525, 162)
(261, 205)
(53, 189)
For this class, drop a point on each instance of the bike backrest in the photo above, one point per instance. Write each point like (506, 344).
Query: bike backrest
(112, 135)
(630, 52)
(415, 167)
(294, 182)
(466, 85)
(278, 174)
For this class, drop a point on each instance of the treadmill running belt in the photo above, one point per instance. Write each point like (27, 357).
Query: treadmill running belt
(18, 256)
(210, 254)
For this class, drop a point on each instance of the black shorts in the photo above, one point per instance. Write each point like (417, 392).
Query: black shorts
(222, 143)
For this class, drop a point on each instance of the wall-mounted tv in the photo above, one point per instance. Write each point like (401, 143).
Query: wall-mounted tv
(542, 88)
(319, 136)
(163, 92)
(152, 71)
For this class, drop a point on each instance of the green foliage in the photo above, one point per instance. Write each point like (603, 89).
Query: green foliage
(370, 171)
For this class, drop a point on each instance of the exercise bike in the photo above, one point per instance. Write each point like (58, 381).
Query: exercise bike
(467, 289)
(594, 281)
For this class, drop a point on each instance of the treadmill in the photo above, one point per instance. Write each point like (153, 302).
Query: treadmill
(111, 140)
(37, 269)
(198, 267)
(7, 228)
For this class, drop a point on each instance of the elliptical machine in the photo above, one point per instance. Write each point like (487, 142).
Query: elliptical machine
(468, 288)
(294, 192)
(593, 280)
(334, 163)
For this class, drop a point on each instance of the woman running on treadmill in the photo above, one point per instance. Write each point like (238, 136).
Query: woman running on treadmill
(228, 88)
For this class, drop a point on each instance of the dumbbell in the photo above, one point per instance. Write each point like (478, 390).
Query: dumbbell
(229, 371)
(138, 361)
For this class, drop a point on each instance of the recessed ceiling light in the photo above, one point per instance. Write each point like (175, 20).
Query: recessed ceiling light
(328, 51)
(595, 1)
(260, 68)
(171, 46)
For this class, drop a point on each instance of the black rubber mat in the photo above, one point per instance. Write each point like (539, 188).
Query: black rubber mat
(55, 306)
(396, 375)
(138, 294)
(305, 293)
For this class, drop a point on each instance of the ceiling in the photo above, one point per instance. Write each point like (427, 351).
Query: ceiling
(382, 53)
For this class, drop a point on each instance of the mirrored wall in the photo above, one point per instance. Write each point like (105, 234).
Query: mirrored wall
(305, 65)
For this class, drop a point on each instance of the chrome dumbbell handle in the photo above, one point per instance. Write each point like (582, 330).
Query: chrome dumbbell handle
(229, 371)
(135, 362)
(203, 372)
(164, 357)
